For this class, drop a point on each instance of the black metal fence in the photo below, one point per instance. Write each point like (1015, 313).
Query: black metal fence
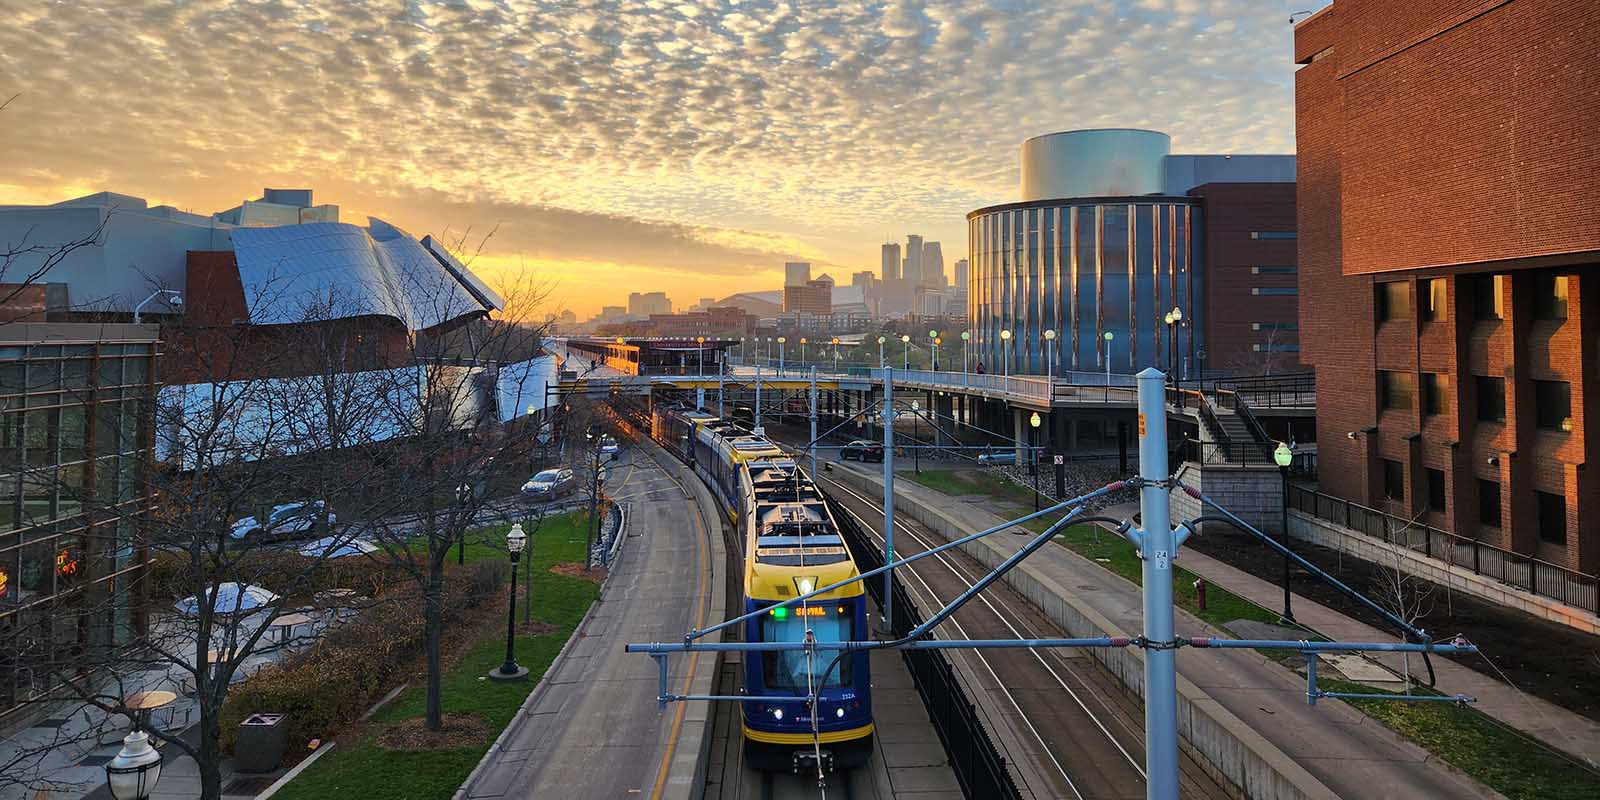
(1524, 572)
(978, 765)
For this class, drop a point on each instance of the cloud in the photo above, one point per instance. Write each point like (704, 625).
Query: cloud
(645, 132)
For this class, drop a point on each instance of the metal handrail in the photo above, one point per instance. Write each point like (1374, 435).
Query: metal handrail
(1526, 572)
(1241, 409)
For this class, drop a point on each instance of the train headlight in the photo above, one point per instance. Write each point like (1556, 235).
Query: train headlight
(805, 584)
(777, 714)
(839, 712)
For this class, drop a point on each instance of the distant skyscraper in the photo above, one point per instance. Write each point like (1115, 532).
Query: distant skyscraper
(932, 265)
(913, 270)
(646, 303)
(796, 273)
(961, 274)
(891, 263)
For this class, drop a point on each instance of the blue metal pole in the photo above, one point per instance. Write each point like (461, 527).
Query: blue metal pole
(888, 500)
(1160, 663)
(758, 398)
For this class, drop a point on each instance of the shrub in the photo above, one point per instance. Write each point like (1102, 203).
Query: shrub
(284, 572)
(332, 683)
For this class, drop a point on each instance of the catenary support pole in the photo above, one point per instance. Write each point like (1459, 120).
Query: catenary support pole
(758, 399)
(888, 497)
(812, 446)
(1160, 665)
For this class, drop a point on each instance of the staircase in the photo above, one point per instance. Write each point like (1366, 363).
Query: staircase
(1242, 445)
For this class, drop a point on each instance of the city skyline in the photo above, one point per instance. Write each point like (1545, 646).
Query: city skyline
(535, 135)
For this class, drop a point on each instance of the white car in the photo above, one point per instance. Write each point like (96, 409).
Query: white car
(609, 446)
(286, 520)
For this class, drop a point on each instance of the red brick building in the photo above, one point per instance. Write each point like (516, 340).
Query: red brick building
(815, 297)
(1449, 253)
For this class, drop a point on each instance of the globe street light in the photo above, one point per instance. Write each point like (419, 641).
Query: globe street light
(782, 341)
(933, 339)
(510, 670)
(880, 352)
(1108, 337)
(1173, 318)
(132, 775)
(1005, 349)
(966, 336)
(905, 342)
(1033, 456)
(835, 344)
(802, 352)
(700, 348)
(916, 444)
(1050, 353)
(1284, 456)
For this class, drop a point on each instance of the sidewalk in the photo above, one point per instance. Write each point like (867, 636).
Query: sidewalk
(1347, 751)
(1555, 726)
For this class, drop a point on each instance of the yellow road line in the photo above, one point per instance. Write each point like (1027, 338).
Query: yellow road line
(694, 658)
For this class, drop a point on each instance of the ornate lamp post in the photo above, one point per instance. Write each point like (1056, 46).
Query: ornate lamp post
(1005, 350)
(916, 445)
(700, 341)
(1284, 456)
(905, 343)
(783, 342)
(1108, 337)
(1173, 319)
(966, 336)
(511, 670)
(132, 775)
(802, 352)
(880, 352)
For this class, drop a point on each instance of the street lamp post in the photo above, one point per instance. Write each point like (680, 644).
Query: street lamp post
(1173, 319)
(933, 339)
(700, 349)
(592, 436)
(1033, 456)
(1005, 350)
(802, 353)
(783, 342)
(835, 354)
(511, 670)
(463, 498)
(966, 336)
(1050, 354)
(880, 352)
(905, 343)
(1108, 337)
(1284, 456)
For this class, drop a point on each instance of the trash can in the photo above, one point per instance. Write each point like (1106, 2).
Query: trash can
(263, 738)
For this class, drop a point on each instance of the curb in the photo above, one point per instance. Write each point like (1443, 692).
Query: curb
(1230, 763)
(539, 689)
(295, 771)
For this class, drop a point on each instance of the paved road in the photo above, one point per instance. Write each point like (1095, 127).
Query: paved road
(593, 730)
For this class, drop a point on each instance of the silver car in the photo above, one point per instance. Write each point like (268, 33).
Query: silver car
(550, 484)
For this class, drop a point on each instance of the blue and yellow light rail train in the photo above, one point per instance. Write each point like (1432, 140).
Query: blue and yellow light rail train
(791, 546)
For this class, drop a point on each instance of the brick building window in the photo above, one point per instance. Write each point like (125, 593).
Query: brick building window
(1491, 399)
(1394, 480)
(1430, 300)
(1394, 390)
(1553, 405)
(1435, 394)
(1436, 490)
(1488, 303)
(1550, 296)
(1552, 518)
(1489, 503)
(1394, 301)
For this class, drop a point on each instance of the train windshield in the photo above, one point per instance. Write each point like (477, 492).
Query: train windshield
(830, 622)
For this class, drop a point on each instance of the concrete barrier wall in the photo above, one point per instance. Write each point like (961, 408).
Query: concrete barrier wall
(1230, 750)
(1315, 530)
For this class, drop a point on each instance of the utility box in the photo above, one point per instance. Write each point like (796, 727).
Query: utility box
(263, 738)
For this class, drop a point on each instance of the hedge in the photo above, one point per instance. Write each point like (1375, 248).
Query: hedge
(332, 683)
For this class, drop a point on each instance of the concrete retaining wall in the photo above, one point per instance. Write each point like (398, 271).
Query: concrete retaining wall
(1254, 493)
(1231, 751)
(1315, 530)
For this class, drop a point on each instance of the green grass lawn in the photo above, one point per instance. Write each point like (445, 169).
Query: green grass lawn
(363, 769)
(969, 482)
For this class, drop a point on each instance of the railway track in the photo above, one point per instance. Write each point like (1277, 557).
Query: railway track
(1067, 718)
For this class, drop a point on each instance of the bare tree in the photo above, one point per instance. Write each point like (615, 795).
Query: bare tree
(1400, 591)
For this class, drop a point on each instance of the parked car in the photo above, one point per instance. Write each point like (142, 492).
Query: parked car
(287, 521)
(862, 450)
(609, 446)
(550, 484)
(998, 457)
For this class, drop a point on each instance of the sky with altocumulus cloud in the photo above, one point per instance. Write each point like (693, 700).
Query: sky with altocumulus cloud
(690, 146)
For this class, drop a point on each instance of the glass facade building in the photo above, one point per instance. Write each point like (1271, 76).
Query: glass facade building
(1084, 267)
(76, 411)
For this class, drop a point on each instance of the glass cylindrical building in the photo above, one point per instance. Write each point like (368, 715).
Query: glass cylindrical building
(1095, 246)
